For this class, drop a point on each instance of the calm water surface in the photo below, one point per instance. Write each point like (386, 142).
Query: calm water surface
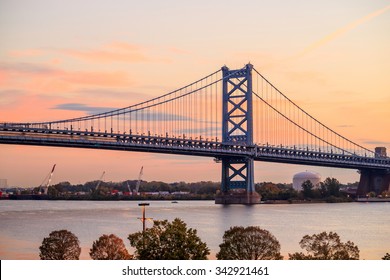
(24, 224)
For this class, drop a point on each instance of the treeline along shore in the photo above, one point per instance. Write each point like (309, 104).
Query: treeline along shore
(328, 191)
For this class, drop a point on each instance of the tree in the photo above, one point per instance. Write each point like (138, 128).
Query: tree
(109, 247)
(54, 191)
(386, 257)
(307, 188)
(268, 191)
(332, 186)
(168, 241)
(324, 246)
(371, 194)
(250, 243)
(60, 245)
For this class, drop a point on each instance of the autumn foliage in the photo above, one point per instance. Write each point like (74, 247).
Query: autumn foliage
(60, 245)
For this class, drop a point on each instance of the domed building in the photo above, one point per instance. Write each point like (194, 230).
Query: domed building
(301, 177)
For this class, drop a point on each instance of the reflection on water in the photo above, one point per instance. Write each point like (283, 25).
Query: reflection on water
(24, 224)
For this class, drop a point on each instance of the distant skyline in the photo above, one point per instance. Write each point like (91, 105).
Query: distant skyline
(61, 59)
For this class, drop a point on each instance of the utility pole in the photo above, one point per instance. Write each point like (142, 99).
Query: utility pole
(143, 219)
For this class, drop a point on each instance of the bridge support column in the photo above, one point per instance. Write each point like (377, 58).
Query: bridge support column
(237, 129)
(372, 180)
(237, 182)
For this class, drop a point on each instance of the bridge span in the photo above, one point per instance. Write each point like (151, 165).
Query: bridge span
(236, 118)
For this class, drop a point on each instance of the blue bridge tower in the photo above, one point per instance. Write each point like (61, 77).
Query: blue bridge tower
(237, 129)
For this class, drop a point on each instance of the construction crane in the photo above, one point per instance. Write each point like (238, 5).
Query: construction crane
(128, 187)
(141, 172)
(46, 182)
(100, 181)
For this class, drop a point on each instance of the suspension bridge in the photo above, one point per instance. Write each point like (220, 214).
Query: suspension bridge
(234, 116)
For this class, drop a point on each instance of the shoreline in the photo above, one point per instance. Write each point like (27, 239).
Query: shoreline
(177, 199)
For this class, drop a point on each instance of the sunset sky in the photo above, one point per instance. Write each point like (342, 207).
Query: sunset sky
(61, 59)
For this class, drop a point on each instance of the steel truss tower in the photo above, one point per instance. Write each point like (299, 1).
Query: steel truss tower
(237, 128)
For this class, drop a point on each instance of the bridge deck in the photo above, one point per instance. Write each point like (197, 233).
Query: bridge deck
(180, 146)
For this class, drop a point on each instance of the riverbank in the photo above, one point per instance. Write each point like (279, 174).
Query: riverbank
(168, 198)
(372, 199)
(108, 198)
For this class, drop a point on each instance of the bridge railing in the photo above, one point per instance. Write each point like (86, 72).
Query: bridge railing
(214, 147)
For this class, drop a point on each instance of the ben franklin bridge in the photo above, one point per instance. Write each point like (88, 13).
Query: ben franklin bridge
(234, 116)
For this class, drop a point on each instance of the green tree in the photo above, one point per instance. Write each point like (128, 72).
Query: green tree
(168, 241)
(332, 186)
(268, 191)
(60, 245)
(54, 191)
(109, 247)
(371, 194)
(307, 188)
(287, 193)
(386, 257)
(249, 243)
(326, 246)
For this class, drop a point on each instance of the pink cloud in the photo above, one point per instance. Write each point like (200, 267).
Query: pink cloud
(41, 78)
(113, 52)
(30, 91)
(125, 46)
(3, 77)
(117, 51)
(25, 53)
(96, 78)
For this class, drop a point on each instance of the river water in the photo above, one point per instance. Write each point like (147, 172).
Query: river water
(24, 224)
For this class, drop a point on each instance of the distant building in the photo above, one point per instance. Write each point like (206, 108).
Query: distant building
(163, 193)
(301, 177)
(380, 152)
(181, 193)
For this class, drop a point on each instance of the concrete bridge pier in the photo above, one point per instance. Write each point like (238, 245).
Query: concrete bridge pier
(373, 180)
(238, 198)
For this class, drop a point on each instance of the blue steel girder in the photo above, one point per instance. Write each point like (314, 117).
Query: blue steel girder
(237, 106)
(237, 173)
(237, 86)
(237, 122)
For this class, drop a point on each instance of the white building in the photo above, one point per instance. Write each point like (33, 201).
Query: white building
(301, 177)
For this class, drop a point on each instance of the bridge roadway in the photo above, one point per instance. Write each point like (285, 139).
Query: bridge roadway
(177, 145)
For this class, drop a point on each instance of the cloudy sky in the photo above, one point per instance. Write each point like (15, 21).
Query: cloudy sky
(70, 58)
